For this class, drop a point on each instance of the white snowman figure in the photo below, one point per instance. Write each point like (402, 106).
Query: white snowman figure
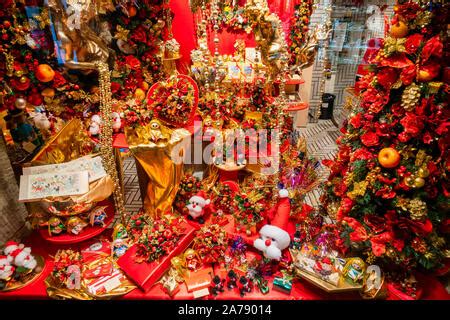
(273, 237)
(197, 206)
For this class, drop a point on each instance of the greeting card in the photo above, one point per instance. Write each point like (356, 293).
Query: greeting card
(36, 187)
(93, 166)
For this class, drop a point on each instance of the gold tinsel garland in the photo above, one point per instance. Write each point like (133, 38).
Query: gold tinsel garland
(106, 148)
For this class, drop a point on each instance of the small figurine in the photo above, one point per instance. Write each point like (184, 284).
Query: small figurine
(324, 266)
(98, 216)
(373, 284)
(120, 246)
(6, 269)
(22, 258)
(117, 122)
(75, 225)
(273, 237)
(55, 226)
(198, 205)
(120, 232)
(73, 281)
(244, 286)
(94, 127)
(354, 270)
(217, 285)
(191, 260)
(231, 280)
(296, 241)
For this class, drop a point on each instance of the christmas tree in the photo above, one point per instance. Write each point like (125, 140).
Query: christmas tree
(388, 189)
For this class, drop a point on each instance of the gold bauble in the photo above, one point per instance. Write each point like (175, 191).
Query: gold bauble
(419, 182)
(423, 172)
(409, 181)
(23, 79)
(18, 73)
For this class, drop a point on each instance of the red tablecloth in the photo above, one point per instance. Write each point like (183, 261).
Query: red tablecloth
(301, 290)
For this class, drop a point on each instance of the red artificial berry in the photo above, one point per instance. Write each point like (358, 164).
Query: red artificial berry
(5, 37)
(6, 24)
(138, 222)
(76, 87)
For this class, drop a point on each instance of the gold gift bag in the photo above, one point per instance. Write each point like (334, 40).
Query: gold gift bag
(153, 146)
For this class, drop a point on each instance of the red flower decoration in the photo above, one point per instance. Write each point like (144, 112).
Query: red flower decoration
(356, 121)
(58, 80)
(409, 10)
(413, 42)
(133, 62)
(374, 100)
(139, 35)
(434, 47)
(362, 154)
(344, 209)
(359, 232)
(399, 61)
(387, 77)
(115, 87)
(413, 124)
(370, 139)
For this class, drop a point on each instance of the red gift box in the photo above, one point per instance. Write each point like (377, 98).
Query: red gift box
(198, 280)
(96, 249)
(145, 274)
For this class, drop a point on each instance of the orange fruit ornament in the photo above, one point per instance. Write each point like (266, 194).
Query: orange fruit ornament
(389, 158)
(399, 30)
(139, 94)
(48, 92)
(45, 73)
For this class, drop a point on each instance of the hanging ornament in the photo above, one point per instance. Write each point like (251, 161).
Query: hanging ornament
(20, 103)
(410, 97)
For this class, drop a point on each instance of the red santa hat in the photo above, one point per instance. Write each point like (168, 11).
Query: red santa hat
(201, 197)
(4, 260)
(10, 246)
(15, 253)
(277, 227)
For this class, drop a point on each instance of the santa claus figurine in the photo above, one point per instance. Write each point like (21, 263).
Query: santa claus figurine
(198, 205)
(6, 269)
(11, 246)
(192, 262)
(274, 237)
(23, 258)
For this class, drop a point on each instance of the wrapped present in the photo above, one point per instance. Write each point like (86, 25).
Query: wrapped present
(283, 284)
(95, 250)
(105, 284)
(102, 270)
(198, 280)
(145, 274)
